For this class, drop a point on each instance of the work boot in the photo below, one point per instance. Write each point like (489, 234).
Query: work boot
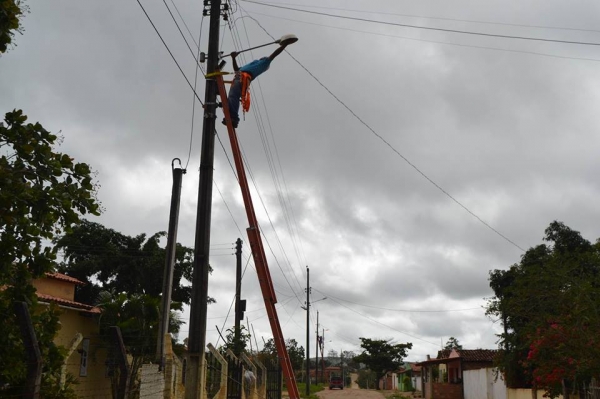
(233, 122)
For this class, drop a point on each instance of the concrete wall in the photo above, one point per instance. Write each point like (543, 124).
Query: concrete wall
(481, 384)
(442, 390)
(499, 390)
(476, 384)
(152, 384)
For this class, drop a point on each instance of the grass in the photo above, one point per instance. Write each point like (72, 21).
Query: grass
(313, 390)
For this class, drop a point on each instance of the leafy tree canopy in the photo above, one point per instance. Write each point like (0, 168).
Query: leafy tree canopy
(452, 343)
(295, 352)
(11, 12)
(382, 355)
(42, 194)
(548, 305)
(111, 261)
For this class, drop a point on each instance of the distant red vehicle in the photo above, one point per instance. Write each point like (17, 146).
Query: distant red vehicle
(336, 382)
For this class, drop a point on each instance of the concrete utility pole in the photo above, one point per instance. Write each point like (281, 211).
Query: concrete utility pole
(199, 300)
(170, 262)
(239, 309)
(307, 332)
(317, 352)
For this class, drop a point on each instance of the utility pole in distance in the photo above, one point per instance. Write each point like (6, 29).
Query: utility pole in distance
(240, 306)
(307, 333)
(199, 300)
(317, 352)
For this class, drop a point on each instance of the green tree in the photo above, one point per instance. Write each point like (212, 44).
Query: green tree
(381, 355)
(11, 13)
(548, 305)
(42, 194)
(453, 343)
(137, 316)
(241, 344)
(295, 352)
(367, 379)
(110, 261)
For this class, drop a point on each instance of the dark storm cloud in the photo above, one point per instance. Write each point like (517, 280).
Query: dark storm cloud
(511, 136)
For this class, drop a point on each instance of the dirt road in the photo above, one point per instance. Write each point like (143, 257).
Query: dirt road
(352, 392)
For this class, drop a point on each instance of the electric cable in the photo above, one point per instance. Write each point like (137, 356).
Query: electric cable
(387, 143)
(169, 50)
(397, 310)
(464, 32)
(443, 18)
(431, 41)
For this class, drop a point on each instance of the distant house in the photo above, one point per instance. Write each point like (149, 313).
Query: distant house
(445, 377)
(409, 372)
(79, 334)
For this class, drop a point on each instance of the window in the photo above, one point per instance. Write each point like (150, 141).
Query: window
(85, 348)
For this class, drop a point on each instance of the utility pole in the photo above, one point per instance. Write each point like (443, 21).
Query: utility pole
(199, 300)
(170, 262)
(307, 332)
(317, 351)
(239, 312)
(322, 356)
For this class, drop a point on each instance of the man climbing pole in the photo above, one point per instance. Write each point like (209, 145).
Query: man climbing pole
(244, 75)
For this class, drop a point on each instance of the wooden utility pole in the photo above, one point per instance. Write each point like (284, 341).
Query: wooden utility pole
(199, 300)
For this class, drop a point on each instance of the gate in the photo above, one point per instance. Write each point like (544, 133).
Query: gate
(274, 379)
(234, 376)
(215, 374)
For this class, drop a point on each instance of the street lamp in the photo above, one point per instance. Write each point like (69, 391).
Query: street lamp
(283, 41)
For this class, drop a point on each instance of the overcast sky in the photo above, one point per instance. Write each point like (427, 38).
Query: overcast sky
(387, 210)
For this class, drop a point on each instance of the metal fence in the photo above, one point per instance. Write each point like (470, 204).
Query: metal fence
(592, 391)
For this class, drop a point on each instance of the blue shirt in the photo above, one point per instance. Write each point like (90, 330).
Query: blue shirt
(257, 67)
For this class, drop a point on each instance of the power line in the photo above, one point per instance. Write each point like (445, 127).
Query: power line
(431, 41)
(169, 50)
(392, 147)
(464, 32)
(385, 325)
(444, 18)
(397, 310)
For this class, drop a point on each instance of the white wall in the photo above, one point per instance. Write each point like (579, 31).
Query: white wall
(475, 384)
(499, 390)
(481, 384)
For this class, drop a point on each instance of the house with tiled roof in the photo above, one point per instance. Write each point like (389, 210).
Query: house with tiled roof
(79, 334)
(445, 376)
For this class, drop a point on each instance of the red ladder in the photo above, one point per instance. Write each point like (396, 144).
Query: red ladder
(258, 251)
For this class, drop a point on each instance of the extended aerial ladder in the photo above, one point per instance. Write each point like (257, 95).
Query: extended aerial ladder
(258, 251)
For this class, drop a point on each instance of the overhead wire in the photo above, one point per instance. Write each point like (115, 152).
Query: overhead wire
(170, 53)
(388, 144)
(195, 85)
(270, 157)
(442, 18)
(383, 324)
(399, 310)
(286, 206)
(237, 42)
(432, 41)
(459, 31)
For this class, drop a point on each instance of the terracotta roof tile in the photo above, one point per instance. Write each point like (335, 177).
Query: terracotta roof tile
(64, 277)
(478, 355)
(66, 302)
